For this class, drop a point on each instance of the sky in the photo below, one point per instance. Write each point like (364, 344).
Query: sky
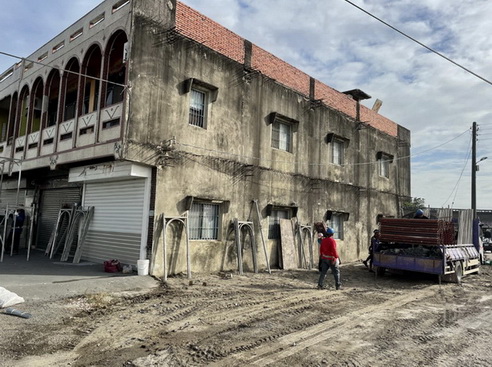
(436, 97)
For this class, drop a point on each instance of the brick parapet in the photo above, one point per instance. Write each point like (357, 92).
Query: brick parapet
(204, 30)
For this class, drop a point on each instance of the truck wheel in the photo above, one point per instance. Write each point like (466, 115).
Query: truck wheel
(380, 271)
(458, 272)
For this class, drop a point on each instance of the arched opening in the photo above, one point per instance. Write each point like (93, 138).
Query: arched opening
(91, 70)
(37, 105)
(115, 69)
(4, 117)
(70, 89)
(23, 111)
(53, 95)
(12, 117)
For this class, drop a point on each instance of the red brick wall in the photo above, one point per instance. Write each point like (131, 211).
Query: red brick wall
(277, 69)
(333, 98)
(378, 121)
(198, 27)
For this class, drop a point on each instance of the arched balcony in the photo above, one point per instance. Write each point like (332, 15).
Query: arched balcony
(80, 106)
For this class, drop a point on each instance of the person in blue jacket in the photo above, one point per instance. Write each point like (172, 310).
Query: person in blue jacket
(18, 219)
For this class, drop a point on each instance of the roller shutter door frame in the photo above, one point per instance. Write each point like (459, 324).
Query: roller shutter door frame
(119, 227)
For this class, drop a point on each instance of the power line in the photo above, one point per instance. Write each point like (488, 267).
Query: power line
(420, 43)
(65, 70)
(455, 188)
(438, 146)
(239, 156)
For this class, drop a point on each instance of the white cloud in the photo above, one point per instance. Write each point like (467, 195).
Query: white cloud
(342, 46)
(29, 24)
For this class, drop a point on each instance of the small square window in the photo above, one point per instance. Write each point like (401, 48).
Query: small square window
(119, 5)
(338, 151)
(198, 108)
(76, 34)
(384, 166)
(43, 56)
(336, 222)
(58, 47)
(66, 136)
(282, 136)
(86, 130)
(384, 160)
(204, 221)
(96, 20)
(111, 123)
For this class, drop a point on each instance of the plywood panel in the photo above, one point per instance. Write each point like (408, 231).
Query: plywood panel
(288, 250)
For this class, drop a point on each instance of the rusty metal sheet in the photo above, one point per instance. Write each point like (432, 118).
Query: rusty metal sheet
(417, 231)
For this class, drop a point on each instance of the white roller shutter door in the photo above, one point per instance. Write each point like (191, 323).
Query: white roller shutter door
(115, 231)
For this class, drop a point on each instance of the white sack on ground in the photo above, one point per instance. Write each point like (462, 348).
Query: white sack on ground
(8, 298)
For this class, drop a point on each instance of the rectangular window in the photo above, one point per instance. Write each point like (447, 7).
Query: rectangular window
(338, 152)
(336, 222)
(198, 108)
(6, 75)
(281, 136)
(43, 56)
(96, 20)
(66, 136)
(111, 123)
(274, 222)
(58, 47)
(384, 165)
(76, 34)
(204, 221)
(28, 66)
(86, 130)
(119, 5)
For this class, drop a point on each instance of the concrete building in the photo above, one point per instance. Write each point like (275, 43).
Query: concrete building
(149, 110)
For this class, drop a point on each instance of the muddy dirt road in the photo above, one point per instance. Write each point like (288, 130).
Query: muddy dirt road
(277, 319)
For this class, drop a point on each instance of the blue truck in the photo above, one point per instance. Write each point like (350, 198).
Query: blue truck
(424, 246)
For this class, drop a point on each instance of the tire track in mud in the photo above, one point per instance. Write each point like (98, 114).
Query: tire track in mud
(282, 315)
(438, 333)
(292, 343)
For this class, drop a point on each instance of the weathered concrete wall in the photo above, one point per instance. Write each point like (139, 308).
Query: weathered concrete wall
(232, 160)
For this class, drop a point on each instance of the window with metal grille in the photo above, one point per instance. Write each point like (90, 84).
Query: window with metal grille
(204, 221)
(336, 222)
(281, 136)
(197, 108)
(338, 151)
(274, 222)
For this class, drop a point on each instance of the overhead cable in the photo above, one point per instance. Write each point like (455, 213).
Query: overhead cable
(420, 43)
(455, 188)
(312, 164)
(66, 71)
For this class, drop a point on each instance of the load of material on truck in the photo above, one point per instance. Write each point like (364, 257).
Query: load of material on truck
(426, 246)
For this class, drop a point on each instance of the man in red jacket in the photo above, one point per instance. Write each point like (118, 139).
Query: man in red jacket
(329, 259)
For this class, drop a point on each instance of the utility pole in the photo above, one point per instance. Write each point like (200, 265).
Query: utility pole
(474, 170)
